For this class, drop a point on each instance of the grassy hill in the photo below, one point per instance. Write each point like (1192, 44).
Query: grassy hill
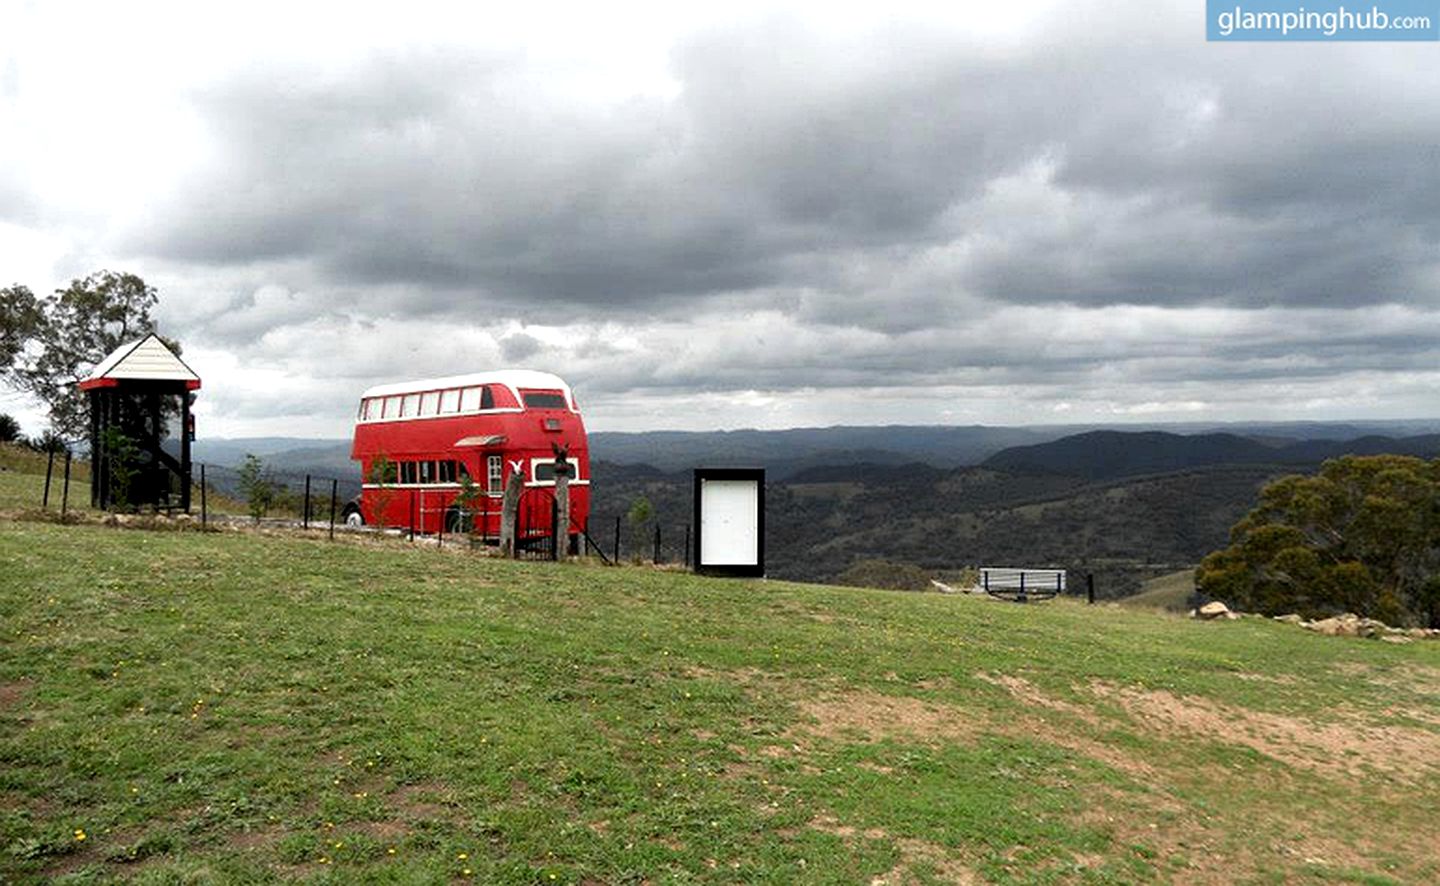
(1169, 592)
(241, 707)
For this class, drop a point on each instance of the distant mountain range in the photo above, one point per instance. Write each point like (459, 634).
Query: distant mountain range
(1100, 455)
(785, 453)
(1125, 505)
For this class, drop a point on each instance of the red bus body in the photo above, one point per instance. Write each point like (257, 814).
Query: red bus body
(486, 426)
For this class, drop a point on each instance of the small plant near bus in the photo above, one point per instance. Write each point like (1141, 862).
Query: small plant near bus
(383, 473)
(257, 487)
(465, 501)
(640, 516)
(121, 457)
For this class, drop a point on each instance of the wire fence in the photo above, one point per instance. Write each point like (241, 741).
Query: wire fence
(317, 502)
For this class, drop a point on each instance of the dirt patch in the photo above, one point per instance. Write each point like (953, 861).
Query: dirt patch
(871, 716)
(913, 853)
(1116, 758)
(1029, 693)
(1332, 748)
(261, 838)
(11, 693)
(1273, 679)
(421, 800)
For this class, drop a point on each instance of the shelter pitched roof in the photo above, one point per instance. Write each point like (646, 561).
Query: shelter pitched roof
(143, 359)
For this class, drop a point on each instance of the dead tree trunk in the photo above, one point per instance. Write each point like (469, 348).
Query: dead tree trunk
(509, 515)
(562, 515)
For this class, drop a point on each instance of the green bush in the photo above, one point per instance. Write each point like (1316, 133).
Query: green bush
(1362, 535)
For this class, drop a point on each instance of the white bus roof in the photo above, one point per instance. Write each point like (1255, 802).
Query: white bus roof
(514, 379)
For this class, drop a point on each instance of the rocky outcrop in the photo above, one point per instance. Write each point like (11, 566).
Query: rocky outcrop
(1349, 624)
(1214, 610)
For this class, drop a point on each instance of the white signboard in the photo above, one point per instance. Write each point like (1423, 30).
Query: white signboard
(729, 509)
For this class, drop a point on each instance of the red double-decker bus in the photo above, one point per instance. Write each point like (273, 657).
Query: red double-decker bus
(417, 443)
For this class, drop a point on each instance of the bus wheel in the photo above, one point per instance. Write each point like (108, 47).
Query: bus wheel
(353, 517)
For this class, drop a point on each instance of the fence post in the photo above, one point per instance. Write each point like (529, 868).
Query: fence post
(412, 515)
(334, 488)
(617, 541)
(204, 511)
(555, 528)
(687, 545)
(65, 494)
(656, 559)
(1090, 588)
(49, 469)
(305, 514)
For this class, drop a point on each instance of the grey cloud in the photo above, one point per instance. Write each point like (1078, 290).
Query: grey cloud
(901, 200)
(518, 347)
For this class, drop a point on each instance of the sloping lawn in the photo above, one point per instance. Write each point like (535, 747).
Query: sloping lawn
(244, 707)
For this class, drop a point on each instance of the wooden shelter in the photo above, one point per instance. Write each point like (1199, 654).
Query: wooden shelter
(135, 394)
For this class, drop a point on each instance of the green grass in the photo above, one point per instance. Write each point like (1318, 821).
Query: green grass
(246, 707)
(1168, 592)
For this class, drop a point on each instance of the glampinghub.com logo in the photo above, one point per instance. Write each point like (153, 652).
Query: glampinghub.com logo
(1405, 20)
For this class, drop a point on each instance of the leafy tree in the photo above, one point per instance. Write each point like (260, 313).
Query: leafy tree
(20, 319)
(77, 327)
(9, 429)
(1362, 535)
(256, 486)
(47, 442)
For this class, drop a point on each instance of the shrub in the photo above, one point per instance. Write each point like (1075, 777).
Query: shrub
(1362, 535)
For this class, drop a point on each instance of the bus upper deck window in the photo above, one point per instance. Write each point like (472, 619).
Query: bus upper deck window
(392, 407)
(410, 407)
(430, 403)
(365, 409)
(469, 399)
(450, 401)
(545, 400)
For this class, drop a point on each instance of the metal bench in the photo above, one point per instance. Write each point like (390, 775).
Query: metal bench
(1022, 585)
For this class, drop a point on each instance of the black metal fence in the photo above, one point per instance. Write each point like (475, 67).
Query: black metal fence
(652, 541)
(317, 503)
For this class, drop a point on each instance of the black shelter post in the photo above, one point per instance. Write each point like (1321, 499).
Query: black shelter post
(186, 471)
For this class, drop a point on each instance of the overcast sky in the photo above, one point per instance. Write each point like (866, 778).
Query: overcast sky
(753, 216)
